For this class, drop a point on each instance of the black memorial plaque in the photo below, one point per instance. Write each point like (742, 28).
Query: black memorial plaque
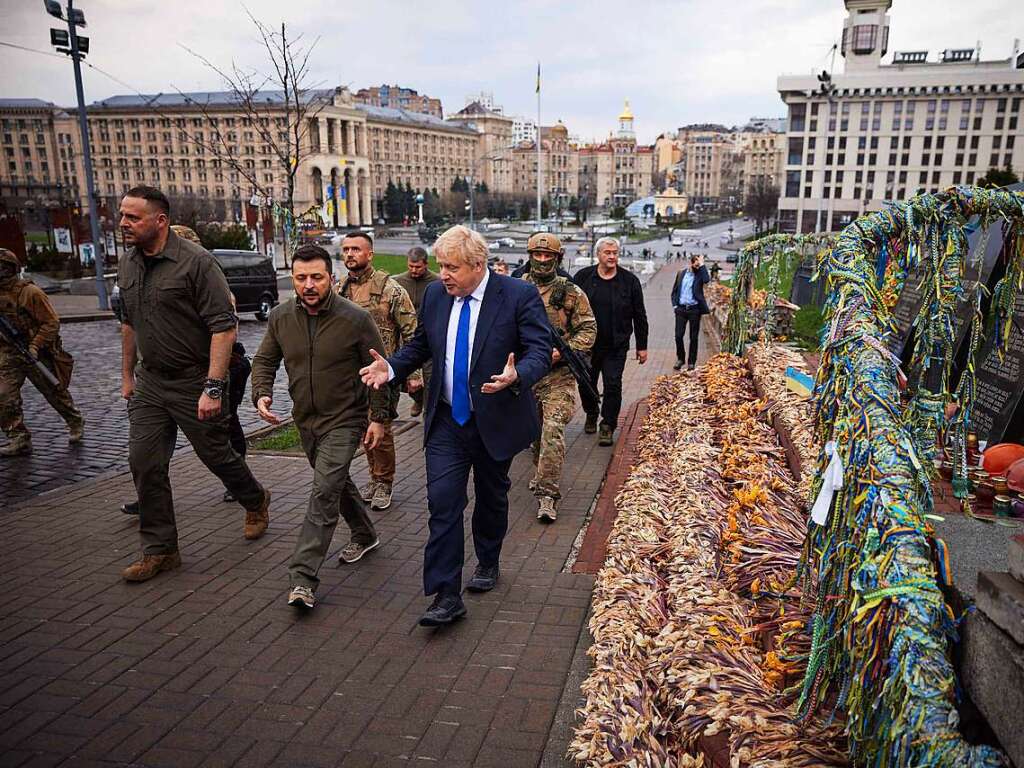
(1000, 385)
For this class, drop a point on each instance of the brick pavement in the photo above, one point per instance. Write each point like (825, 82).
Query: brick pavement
(96, 386)
(208, 666)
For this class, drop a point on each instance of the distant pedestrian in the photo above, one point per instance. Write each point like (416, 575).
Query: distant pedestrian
(176, 339)
(500, 267)
(415, 280)
(333, 411)
(617, 300)
(489, 335)
(392, 310)
(27, 313)
(689, 306)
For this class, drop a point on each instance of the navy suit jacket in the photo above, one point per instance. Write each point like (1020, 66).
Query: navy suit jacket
(511, 320)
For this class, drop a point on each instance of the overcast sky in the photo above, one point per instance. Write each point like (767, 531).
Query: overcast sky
(677, 61)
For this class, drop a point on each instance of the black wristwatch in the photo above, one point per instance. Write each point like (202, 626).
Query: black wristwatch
(214, 388)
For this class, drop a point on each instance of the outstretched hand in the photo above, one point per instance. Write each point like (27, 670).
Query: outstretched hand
(504, 379)
(376, 373)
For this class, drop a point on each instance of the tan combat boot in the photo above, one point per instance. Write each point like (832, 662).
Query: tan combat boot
(20, 445)
(546, 511)
(256, 522)
(76, 431)
(150, 565)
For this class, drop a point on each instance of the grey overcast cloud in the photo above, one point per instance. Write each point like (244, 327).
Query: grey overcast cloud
(677, 61)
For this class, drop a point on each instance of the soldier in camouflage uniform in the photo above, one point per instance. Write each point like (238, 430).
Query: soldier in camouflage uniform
(569, 313)
(377, 292)
(28, 309)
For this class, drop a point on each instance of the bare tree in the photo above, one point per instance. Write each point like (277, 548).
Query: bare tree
(279, 106)
(762, 203)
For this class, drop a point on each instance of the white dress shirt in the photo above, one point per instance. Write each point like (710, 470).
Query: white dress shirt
(475, 299)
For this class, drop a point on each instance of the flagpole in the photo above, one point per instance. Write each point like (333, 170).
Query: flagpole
(538, 145)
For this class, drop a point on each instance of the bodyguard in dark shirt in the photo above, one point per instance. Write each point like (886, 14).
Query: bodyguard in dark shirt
(617, 299)
(176, 339)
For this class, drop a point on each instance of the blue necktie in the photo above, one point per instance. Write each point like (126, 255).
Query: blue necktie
(460, 372)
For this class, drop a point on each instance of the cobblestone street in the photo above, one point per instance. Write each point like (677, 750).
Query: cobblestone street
(208, 666)
(96, 386)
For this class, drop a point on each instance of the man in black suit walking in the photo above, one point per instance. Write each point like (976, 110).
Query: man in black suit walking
(488, 338)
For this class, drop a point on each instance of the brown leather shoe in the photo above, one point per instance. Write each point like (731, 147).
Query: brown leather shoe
(150, 565)
(256, 522)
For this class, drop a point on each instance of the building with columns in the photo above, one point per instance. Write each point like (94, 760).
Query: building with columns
(886, 131)
(350, 152)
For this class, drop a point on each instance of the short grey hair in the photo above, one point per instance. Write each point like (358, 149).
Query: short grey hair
(606, 241)
(462, 244)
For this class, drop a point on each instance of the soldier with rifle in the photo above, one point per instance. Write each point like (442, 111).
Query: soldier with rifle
(30, 349)
(574, 329)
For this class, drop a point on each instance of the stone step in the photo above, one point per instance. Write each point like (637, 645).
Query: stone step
(1001, 598)
(1017, 557)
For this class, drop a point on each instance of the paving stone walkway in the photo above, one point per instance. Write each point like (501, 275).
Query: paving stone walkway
(207, 665)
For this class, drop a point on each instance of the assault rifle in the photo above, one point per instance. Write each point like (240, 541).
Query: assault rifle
(576, 363)
(15, 338)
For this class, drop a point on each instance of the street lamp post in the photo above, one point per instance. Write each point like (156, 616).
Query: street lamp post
(419, 203)
(77, 48)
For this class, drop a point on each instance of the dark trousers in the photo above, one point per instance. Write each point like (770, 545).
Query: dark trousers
(451, 452)
(238, 377)
(333, 494)
(607, 364)
(686, 317)
(158, 408)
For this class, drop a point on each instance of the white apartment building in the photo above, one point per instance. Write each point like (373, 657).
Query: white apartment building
(523, 129)
(885, 132)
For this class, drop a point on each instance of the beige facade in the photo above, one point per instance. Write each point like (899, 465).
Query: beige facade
(416, 149)
(560, 166)
(493, 163)
(888, 131)
(349, 150)
(617, 171)
(41, 154)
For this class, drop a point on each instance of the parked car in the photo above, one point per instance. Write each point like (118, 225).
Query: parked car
(507, 242)
(494, 245)
(251, 278)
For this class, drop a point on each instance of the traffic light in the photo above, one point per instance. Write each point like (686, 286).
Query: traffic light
(467, 206)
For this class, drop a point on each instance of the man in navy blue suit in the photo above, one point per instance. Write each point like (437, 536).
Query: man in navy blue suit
(488, 336)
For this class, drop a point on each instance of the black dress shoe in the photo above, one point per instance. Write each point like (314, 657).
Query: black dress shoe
(130, 508)
(444, 610)
(484, 579)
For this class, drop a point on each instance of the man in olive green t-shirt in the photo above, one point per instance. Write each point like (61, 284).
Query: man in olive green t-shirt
(177, 332)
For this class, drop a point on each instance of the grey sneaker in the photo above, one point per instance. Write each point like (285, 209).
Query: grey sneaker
(367, 490)
(301, 597)
(381, 496)
(354, 551)
(546, 511)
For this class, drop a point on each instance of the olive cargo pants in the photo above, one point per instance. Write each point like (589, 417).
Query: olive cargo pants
(333, 492)
(160, 406)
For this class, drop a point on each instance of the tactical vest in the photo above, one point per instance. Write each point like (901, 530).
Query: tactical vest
(12, 308)
(380, 310)
(559, 303)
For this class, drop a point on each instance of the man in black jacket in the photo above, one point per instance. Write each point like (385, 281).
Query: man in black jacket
(689, 305)
(617, 299)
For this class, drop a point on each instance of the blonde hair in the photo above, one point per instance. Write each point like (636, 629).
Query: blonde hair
(462, 244)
